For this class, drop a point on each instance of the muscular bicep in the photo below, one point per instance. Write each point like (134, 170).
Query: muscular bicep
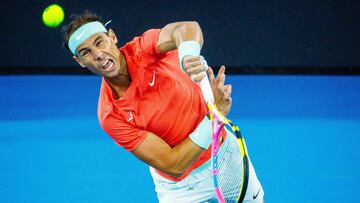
(165, 41)
(172, 34)
(158, 154)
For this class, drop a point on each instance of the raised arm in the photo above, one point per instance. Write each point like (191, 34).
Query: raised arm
(170, 38)
(174, 33)
(155, 151)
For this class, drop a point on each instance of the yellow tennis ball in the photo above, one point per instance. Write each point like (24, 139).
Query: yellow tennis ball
(53, 15)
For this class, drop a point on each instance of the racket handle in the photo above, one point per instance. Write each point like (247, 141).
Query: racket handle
(205, 85)
(206, 90)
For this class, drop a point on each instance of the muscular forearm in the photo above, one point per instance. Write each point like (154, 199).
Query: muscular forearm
(182, 156)
(171, 160)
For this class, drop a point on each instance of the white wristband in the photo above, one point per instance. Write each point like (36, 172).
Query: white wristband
(202, 135)
(191, 48)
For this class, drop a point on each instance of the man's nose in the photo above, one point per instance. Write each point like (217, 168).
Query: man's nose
(98, 54)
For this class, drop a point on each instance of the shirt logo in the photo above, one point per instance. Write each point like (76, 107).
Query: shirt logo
(80, 35)
(255, 196)
(130, 117)
(152, 83)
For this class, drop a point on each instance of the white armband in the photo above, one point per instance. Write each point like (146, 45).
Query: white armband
(191, 48)
(202, 135)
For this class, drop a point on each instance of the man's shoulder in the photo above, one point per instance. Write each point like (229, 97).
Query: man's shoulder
(146, 41)
(110, 109)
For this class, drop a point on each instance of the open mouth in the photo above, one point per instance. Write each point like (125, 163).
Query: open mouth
(108, 65)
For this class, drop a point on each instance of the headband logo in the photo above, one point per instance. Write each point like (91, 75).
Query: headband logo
(81, 34)
(84, 32)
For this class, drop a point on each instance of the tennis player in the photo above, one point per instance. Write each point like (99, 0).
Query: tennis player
(153, 109)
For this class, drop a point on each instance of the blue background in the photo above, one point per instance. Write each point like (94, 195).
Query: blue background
(302, 133)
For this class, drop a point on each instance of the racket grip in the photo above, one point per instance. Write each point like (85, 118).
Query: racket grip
(206, 90)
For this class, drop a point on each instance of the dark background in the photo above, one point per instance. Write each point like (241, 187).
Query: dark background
(256, 33)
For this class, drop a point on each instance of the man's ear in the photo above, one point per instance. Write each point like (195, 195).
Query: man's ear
(78, 61)
(112, 35)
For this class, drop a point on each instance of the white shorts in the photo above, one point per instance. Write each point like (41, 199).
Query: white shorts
(198, 186)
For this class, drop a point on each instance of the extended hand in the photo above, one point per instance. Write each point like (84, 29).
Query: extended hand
(222, 93)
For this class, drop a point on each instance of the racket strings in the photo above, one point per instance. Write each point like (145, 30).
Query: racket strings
(230, 171)
(230, 166)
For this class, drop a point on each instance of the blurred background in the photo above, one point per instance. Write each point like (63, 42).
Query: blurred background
(294, 67)
(237, 33)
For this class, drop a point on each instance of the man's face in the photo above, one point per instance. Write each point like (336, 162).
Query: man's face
(100, 54)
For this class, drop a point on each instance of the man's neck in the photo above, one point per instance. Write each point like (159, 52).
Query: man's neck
(120, 84)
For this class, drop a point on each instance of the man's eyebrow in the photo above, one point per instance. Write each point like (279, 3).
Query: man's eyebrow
(82, 49)
(96, 39)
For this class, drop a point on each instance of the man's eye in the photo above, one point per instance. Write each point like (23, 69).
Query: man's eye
(99, 43)
(85, 53)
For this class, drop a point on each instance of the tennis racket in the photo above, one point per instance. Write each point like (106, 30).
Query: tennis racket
(231, 172)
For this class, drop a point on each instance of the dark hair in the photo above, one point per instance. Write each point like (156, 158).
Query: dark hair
(77, 21)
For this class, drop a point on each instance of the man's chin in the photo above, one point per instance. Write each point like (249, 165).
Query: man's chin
(111, 74)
